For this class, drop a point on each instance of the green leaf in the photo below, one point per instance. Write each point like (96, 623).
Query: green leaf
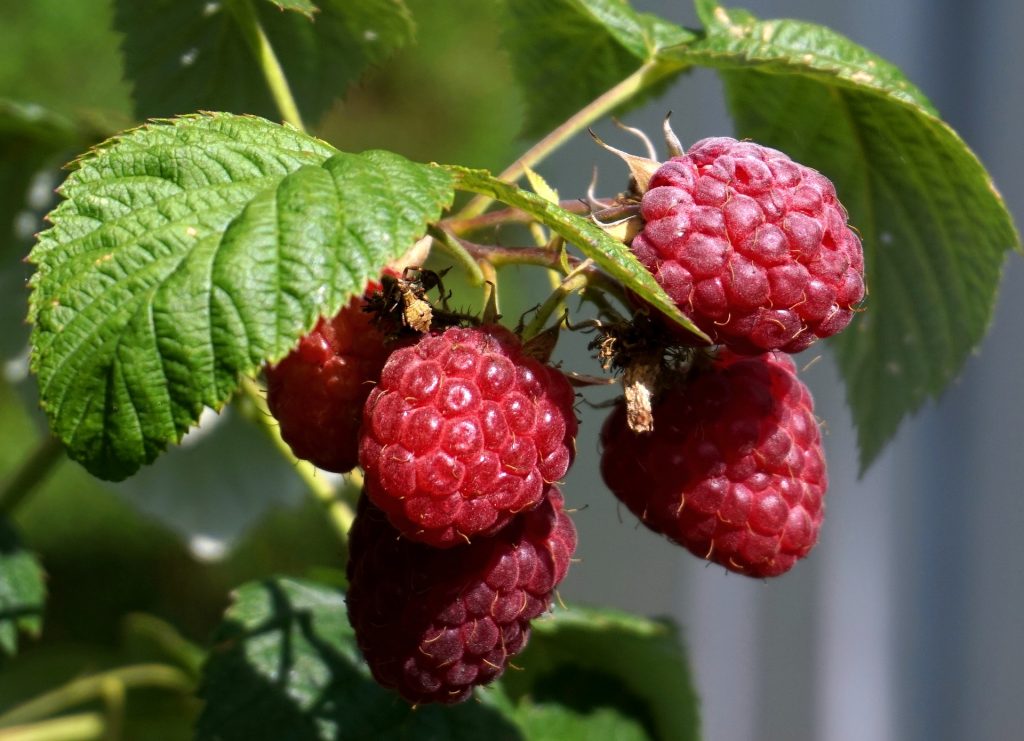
(191, 251)
(187, 55)
(934, 227)
(603, 674)
(613, 256)
(22, 590)
(565, 53)
(285, 666)
(305, 7)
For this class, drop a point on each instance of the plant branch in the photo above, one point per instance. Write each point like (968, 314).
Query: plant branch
(455, 250)
(78, 727)
(462, 226)
(339, 512)
(267, 59)
(649, 73)
(40, 462)
(94, 687)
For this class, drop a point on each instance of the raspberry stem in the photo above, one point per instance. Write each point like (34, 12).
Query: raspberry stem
(338, 511)
(47, 455)
(648, 74)
(268, 62)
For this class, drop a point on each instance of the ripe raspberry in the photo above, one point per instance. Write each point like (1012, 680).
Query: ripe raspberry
(434, 623)
(461, 434)
(317, 392)
(733, 470)
(752, 246)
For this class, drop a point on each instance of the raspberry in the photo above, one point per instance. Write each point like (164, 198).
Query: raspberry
(752, 246)
(434, 623)
(317, 392)
(734, 469)
(462, 432)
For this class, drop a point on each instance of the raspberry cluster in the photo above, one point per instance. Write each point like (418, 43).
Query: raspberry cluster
(461, 535)
(755, 249)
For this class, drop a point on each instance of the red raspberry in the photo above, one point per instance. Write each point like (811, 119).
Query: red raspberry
(752, 246)
(734, 469)
(317, 392)
(462, 432)
(434, 623)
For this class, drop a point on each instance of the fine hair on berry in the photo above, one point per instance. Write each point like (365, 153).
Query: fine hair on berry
(463, 432)
(733, 470)
(433, 623)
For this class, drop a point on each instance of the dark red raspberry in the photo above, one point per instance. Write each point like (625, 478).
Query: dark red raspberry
(734, 469)
(462, 432)
(317, 392)
(752, 246)
(435, 623)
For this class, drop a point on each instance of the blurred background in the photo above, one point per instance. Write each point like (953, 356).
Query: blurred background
(904, 624)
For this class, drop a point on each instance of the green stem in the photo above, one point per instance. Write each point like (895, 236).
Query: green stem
(40, 462)
(463, 226)
(648, 74)
(455, 250)
(273, 73)
(339, 512)
(94, 687)
(575, 281)
(80, 727)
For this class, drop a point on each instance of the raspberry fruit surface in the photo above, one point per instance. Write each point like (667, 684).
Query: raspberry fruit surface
(317, 391)
(734, 469)
(462, 433)
(434, 623)
(752, 246)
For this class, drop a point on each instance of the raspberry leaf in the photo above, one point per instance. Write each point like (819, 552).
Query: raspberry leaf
(22, 590)
(286, 647)
(613, 256)
(566, 53)
(305, 7)
(935, 229)
(189, 251)
(187, 55)
(631, 667)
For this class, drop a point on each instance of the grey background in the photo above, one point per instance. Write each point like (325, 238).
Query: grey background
(905, 623)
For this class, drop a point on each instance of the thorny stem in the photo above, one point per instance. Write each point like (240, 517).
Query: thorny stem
(575, 281)
(87, 689)
(469, 264)
(267, 59)
(462, 226)
(339, 511)
(41, 461)
(78, 727)
(649, 73)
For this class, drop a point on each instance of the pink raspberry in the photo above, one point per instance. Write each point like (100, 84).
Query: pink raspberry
(435, 623)
(462, 433)
(734, 469)
(317, 391)
(752, 246)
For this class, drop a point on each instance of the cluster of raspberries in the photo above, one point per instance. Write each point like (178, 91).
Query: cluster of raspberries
(755, 249)
(461, 534)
